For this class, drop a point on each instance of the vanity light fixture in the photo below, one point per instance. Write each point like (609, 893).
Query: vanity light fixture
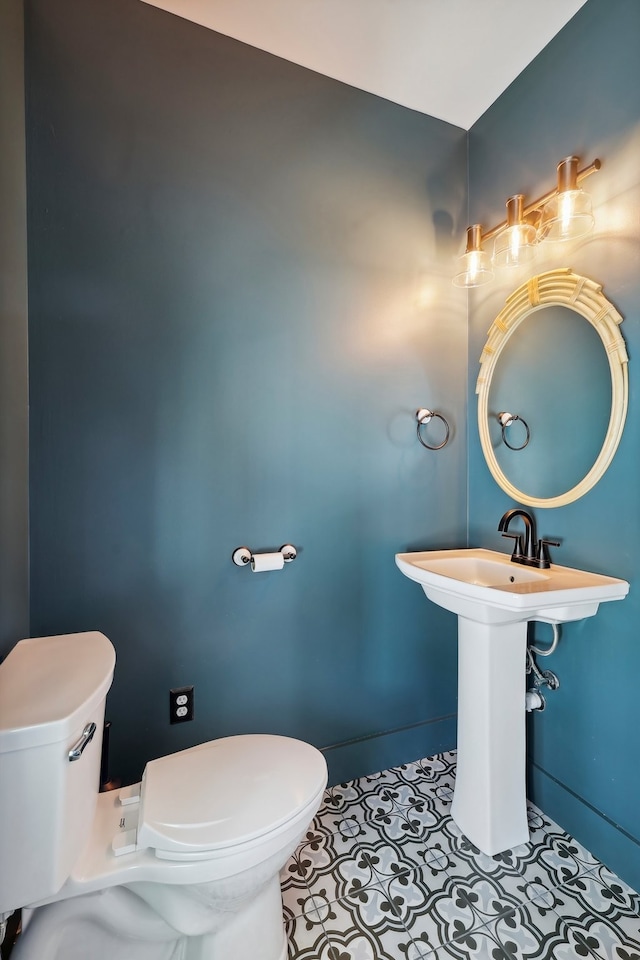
(563, 213)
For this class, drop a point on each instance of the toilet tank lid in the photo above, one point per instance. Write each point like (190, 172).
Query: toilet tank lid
(227, 791)
(49, 686)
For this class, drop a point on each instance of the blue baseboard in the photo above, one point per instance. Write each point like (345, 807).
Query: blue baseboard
(606, 840)
(357, 758)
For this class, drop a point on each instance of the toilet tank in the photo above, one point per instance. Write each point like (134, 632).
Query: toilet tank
(51, 688)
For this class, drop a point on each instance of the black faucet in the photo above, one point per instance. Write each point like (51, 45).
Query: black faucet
(527, 549)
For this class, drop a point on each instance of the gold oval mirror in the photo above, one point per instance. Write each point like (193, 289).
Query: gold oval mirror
(551, 373)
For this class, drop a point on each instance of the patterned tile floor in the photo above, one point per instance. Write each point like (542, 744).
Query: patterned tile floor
(385, 874)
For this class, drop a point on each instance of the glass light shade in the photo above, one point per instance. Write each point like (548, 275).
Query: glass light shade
(473, 269)
(567, 216)
(515, 245)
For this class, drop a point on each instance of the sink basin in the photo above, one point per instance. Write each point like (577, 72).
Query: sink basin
(494, 598)
(486, 586)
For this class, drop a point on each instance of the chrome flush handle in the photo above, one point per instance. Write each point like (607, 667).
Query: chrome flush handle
(87, 736)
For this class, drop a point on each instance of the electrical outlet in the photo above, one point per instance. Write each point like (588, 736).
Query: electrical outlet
(180, 704)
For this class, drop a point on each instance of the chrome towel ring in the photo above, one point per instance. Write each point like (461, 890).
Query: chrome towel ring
(508, 419)
(424, 416)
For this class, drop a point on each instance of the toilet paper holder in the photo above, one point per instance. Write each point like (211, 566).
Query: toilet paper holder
(242, 555)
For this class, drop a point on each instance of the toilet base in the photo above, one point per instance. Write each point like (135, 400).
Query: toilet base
(256, 932)
(116, 923)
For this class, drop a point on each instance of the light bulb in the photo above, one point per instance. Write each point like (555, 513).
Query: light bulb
(567, 216)
(516, 243)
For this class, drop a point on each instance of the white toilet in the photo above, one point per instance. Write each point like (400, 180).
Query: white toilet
(182, 866)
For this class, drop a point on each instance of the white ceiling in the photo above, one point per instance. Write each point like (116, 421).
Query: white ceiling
(448, 58)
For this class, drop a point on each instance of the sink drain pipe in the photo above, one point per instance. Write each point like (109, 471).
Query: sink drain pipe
(541, 678)
(534, 701)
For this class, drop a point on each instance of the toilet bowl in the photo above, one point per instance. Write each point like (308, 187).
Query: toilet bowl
(182, 866)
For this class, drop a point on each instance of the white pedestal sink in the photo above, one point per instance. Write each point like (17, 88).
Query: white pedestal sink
(494, 599)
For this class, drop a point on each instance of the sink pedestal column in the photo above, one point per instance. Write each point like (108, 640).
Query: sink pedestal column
(489, 802)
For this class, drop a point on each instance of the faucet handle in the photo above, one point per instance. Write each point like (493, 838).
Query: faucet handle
(544, 560)
(518, 544)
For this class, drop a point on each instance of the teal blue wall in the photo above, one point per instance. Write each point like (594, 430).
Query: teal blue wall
(14, 438)
(581, 95)
(239, 296)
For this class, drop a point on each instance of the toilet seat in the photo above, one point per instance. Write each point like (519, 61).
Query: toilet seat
(158, 857)
(222, 794)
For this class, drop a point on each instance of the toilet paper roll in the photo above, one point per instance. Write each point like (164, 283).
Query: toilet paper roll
(267, 561)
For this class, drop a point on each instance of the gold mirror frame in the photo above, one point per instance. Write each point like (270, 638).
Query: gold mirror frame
(564, 288)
